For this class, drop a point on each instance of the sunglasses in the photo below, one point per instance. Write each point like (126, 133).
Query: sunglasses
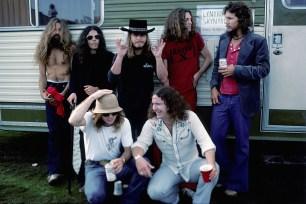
(108, 114)
(90, 37)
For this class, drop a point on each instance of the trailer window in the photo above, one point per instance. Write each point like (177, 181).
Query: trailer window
(33, 13)
(14, 13)
(72, 11)
(294, 4)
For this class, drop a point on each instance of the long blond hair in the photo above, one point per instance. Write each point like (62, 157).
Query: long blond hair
(146, 48)
(43, 48)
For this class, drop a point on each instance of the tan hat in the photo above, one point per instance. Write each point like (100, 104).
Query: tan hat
(107, 104)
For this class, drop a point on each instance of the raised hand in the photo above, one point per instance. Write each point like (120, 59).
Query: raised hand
(121, 49)
(157, 50)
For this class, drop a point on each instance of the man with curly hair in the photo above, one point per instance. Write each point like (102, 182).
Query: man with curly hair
(53, 54)
(176, 130)
(235, 93)
(182, 52)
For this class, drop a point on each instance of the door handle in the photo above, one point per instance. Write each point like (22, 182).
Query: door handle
(277, 52)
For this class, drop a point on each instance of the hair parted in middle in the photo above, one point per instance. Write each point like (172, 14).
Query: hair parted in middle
(146, 50)
(175, 102)
(175, 27)
(98, 122)
(83, 47)
(43, 48)
(243, 13)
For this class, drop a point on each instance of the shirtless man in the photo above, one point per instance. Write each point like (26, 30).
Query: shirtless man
(53, 54)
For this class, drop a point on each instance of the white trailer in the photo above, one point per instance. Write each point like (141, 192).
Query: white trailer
(283, 23)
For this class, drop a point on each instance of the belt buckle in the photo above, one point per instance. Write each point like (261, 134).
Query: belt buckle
(103, 162)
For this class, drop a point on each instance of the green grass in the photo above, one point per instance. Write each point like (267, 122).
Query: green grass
(20, 182)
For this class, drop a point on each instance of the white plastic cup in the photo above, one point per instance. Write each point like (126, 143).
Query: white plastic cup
(118, 188)
(223, 63)
(110, 175)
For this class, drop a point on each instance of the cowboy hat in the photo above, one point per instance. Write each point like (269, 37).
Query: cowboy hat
(107, 104)
(137, 26)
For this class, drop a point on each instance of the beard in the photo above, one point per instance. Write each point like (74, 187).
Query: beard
(55, 42)
(138, 48)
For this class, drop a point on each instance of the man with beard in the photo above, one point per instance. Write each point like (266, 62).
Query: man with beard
(235, 93)
(53, 54)
(133, 71)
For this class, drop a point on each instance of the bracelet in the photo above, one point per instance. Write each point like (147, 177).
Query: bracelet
(123, 159)
(137, 157)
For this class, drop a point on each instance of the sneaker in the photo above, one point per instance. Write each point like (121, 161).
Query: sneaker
(54, 179)
(81, 189)
(230, 193)
(188, 192)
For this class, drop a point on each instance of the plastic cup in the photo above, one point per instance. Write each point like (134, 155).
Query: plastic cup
(118, 188)
(110, 175)
(205, 171)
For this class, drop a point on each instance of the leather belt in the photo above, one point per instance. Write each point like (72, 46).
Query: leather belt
(101, 163)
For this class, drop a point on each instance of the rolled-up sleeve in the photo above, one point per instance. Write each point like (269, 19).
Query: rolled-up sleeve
(145, 139)
(200, 133)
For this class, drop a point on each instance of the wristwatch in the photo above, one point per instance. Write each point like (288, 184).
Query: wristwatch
(137, 157)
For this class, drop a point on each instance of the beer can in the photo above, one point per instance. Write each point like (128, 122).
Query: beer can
(222, 62)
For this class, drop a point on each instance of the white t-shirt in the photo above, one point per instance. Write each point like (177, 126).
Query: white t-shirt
(105, 143)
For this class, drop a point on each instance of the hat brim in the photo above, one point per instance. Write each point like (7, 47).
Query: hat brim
(114, 110)
(132, 31)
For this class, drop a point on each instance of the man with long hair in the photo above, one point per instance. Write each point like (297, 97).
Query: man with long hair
(182, 52)
(90, 66)
(53, 54)
(235, 93)
(176, 130)
(106, 132)
(134, 69)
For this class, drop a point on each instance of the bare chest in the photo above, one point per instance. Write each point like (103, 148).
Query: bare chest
(56, 58)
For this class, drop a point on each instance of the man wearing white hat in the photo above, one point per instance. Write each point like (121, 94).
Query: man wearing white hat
(106, 131)
(133, 71)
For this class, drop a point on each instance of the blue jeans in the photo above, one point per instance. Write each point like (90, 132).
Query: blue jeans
(233, 166)
(96, 183)
(59, 135)
(164, 185)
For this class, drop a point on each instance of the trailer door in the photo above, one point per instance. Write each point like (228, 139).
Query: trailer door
(284, 101)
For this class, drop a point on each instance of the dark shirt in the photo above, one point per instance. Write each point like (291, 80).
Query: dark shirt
(135, 83)
(93, 71)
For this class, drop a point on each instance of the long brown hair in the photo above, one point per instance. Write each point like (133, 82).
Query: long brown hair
(43, 48)
(175, 27)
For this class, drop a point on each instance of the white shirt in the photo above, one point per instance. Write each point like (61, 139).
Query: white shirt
(105, 143)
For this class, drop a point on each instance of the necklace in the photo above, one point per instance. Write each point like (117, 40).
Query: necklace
(238, 38)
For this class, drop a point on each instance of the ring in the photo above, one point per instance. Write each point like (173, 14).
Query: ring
(141, 173)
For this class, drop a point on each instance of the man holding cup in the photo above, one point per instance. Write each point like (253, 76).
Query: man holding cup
(106, 131)
(235, 93)
(176, 131)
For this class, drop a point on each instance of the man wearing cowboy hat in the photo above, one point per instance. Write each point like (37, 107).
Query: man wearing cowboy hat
(106, 131)
(133, 71)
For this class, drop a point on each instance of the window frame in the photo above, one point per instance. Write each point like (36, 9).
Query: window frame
(41, 27)
(286, 5)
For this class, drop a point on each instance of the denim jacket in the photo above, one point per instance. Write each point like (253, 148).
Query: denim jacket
(179, 150)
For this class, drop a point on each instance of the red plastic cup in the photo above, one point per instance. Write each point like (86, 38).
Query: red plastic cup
(205, 170)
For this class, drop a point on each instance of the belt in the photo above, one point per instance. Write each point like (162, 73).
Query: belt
(101, 163)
